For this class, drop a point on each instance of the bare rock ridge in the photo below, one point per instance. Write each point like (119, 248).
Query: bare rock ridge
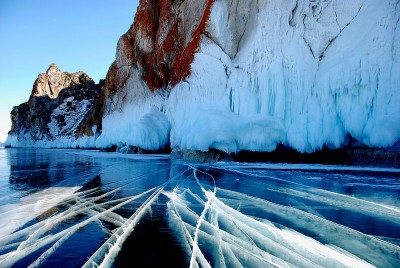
(59, 107)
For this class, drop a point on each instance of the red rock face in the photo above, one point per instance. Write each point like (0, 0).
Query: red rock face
(161, 43)
(185, 56)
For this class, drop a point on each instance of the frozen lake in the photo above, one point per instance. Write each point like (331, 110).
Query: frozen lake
(85, 208)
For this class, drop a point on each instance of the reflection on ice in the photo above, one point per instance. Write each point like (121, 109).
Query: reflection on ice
(32, 206)
(224, 215)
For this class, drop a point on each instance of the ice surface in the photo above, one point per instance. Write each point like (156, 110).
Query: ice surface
(15, 215)
(233, 238)
(223, 215)
(106, 254)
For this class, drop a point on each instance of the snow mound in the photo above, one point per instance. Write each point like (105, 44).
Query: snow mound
(135, 116)
(150, 132)
(204, 128)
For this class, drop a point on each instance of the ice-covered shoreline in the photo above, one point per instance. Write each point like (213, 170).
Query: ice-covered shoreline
(348, 158)
(314, 75)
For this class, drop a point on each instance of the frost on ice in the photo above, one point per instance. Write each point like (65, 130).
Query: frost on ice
(223, 215)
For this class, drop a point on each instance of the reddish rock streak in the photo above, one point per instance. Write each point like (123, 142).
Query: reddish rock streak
(157, 44)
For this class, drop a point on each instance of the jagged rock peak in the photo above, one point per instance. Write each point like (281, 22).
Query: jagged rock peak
(54, 80)
(61, 107)
(53, 69)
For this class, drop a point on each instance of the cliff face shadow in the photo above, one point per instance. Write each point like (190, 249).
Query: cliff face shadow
(349, 156)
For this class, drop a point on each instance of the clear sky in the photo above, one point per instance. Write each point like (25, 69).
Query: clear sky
(75, 34)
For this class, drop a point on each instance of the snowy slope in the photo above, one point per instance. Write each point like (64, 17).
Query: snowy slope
(66, 118)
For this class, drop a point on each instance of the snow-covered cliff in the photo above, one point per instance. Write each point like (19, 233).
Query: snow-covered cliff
(58, 112)
(306, 74)
(250, 74)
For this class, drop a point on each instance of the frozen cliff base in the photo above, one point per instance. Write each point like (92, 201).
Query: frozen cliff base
(302, 79)
(305, 74)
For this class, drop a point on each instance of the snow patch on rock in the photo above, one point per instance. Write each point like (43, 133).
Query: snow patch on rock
(66, 118)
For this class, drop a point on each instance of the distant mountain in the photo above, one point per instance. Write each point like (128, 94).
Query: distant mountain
(242, 75)
(57, 113)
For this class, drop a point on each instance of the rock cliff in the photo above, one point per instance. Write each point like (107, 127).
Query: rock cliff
(248, 75)
(57, 112)
(241, 75)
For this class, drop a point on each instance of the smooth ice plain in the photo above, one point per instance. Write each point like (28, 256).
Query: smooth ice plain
(92, 209)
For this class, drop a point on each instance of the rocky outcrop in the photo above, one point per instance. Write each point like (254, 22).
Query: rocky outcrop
(153, 56)
(165, 36)
(238, 75)
(210, 156)
(161, 42)
(158, 48)
(57, 111)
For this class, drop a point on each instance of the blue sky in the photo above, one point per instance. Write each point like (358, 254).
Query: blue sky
(76, 35)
